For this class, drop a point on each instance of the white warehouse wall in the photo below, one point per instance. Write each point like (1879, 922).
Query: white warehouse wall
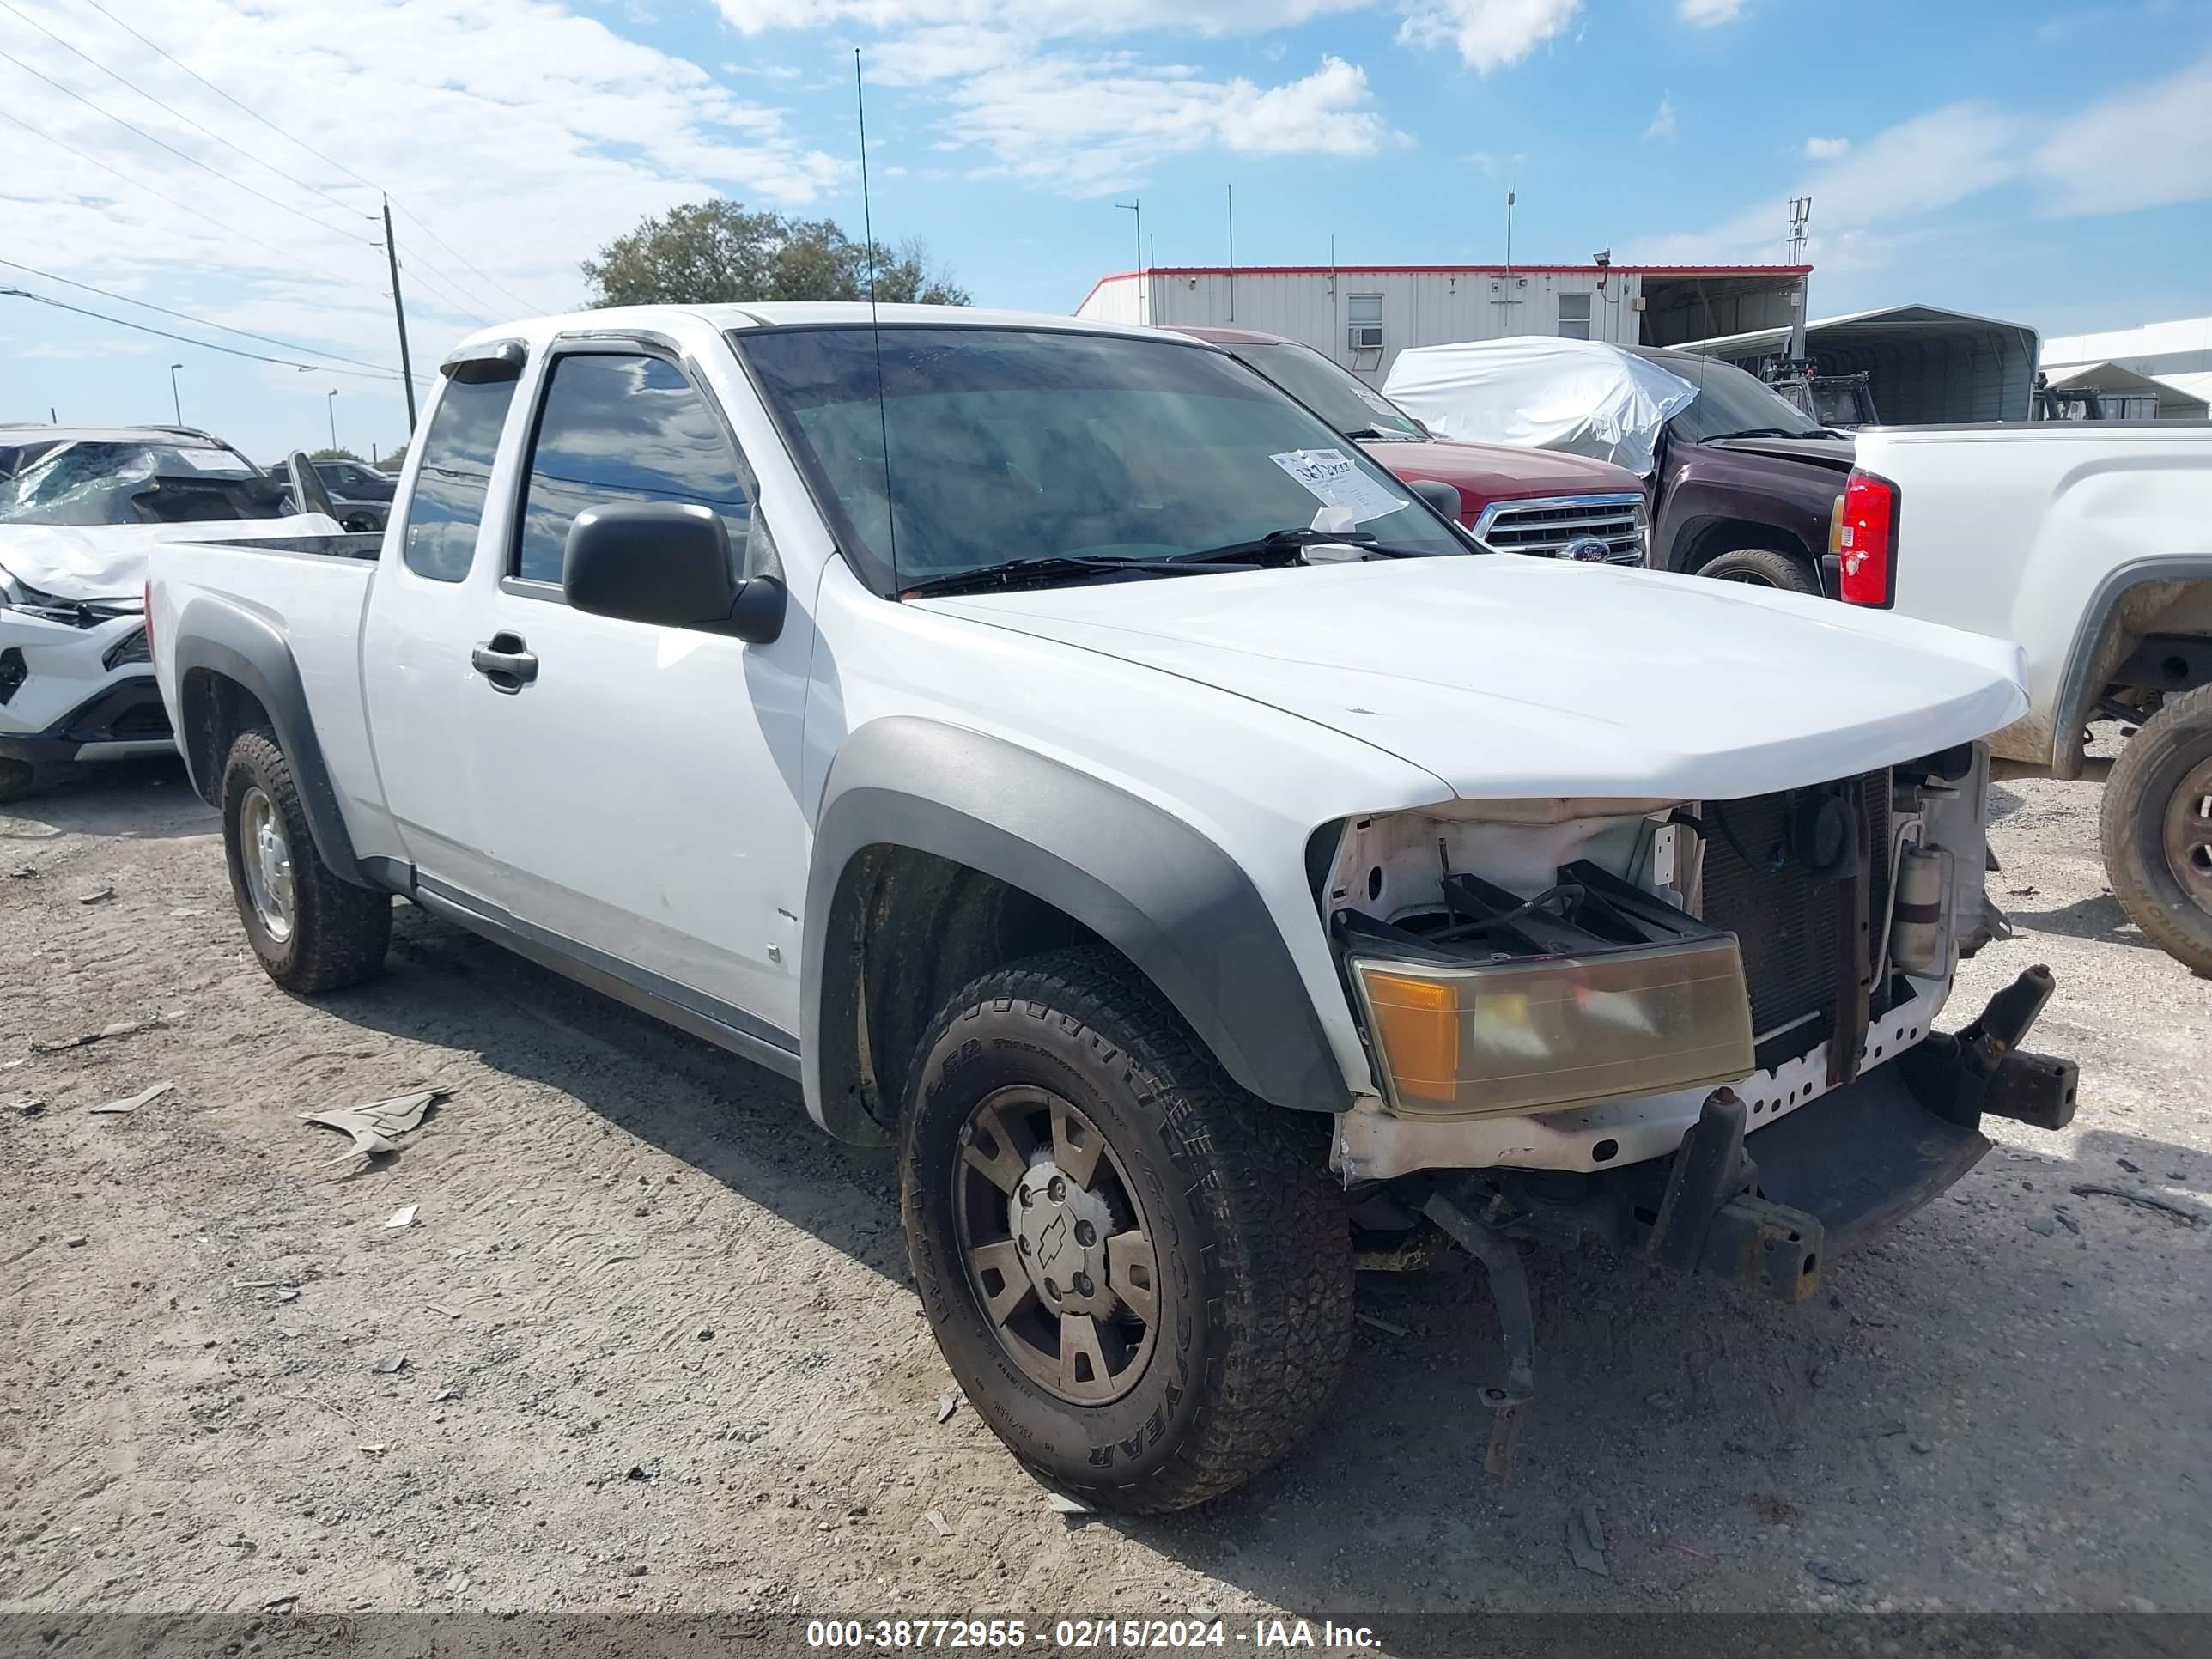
(1427, 307)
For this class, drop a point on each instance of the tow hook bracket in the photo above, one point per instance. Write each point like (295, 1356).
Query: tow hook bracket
(1712, 1218)
(1516, 1321)
(1981, 1070)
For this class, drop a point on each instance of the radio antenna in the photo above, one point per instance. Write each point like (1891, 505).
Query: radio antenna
(875, 327)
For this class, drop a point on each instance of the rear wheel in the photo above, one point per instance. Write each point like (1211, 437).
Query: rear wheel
(1759, 566)
(2156, 826)
(1140, 1275)
(311, 931)
(17, 779)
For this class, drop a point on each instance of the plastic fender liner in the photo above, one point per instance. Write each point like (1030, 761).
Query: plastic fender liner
(1164, 896)
(216, 639)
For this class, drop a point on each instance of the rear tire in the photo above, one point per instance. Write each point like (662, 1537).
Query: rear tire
(1226, 1349)
(17, 779)
(312, 931)
(1759, 566)
(2156, 827)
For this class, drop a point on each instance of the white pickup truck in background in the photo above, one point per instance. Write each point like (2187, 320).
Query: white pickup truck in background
(1069, 759)
(2089, 545)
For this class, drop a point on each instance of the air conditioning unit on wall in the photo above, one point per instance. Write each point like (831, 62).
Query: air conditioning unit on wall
(1366, 337)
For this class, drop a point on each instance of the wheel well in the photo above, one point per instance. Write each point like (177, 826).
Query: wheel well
(2150, 643)
(214, 709)
(907, 929)
(1715, 536)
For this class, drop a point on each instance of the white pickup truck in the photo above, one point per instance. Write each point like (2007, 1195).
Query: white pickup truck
(2090, 543)
(1054, 748)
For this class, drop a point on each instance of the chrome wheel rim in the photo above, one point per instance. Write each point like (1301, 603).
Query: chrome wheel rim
(1748, 578)
(1055, 1245)
(266, 859)
(2188, 835)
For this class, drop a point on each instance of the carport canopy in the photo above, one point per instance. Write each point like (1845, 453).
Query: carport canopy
(1922, 363)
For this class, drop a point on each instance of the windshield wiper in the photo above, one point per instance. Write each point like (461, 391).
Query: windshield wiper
(1047, 568)
(1289, 544)
(1766, 432)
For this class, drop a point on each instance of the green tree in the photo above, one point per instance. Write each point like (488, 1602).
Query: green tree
(718, 252)
(332, 455)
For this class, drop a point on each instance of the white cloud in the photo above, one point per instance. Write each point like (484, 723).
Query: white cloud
(524, 133)
(1489, 35)
(2146, 147)
(1873, 201)
(1094, 125)
(1663, 123)
(1711, 13)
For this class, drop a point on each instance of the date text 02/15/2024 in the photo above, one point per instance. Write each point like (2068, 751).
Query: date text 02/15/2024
(1078, 1635)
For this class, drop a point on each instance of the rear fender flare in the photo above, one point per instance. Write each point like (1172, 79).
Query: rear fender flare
(1170, 900)
(227, 643)
(2100, 646)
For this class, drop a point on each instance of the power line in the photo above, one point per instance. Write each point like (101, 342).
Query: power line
(139, 184)
(184, 155)
(292, 138)
(180, 114)
(526, 304)
(204, 345)
(186, 317)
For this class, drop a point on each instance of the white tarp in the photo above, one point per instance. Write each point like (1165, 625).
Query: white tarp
(108, 561)
(1536, 392)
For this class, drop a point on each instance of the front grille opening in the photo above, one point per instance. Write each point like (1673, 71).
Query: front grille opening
(1545, 529)
(131, 648)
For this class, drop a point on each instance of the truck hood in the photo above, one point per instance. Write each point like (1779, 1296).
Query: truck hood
(108, 561)
(1512, 678)
(1483, 473)
(1836, 454)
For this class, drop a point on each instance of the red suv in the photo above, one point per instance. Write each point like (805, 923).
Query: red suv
(1516, 500)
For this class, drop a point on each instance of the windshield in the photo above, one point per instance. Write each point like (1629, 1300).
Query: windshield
(1010, 444)
(1730, 402)
(134, 482)
(1331, 390)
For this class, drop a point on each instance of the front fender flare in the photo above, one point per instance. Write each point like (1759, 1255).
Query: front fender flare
(1166, 897)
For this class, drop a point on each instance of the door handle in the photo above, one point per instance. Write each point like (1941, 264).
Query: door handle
(506, 661)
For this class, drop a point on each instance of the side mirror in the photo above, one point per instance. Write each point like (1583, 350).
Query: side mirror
(1444, 497)
(309, 494)
(668, 563)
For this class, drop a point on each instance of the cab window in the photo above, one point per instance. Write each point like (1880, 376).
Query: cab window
(447, 506)
(622, 427)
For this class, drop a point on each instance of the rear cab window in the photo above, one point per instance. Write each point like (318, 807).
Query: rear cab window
(622, 426)
(455, 478)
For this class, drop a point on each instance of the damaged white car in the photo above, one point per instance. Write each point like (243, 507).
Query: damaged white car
(79, 511)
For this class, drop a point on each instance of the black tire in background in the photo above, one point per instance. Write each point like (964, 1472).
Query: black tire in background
(1250, 1303)
(2156, 828)
(1761, 566)
(332, 933)
(17, 779)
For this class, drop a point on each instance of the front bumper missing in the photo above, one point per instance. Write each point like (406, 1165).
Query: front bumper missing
(1767, 1208)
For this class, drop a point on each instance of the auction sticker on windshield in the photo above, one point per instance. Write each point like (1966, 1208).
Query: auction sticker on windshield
(1331, 478)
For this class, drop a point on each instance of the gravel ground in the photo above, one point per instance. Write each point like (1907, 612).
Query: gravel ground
(648, 1341)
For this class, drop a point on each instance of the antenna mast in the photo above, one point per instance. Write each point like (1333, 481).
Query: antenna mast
(875, 327)
(1800, 211)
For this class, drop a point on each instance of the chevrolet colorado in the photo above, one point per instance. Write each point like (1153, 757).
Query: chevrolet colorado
(2090, 543)
(1058, 750)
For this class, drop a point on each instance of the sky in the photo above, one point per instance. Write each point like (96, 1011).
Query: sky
(226, 160)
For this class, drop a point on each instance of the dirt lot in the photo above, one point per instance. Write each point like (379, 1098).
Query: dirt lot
(659, 1352)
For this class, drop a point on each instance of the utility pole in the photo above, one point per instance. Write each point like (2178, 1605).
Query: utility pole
(332, 405)
(1508, 230)
(1800, 211)
(1232, 254)
(176, 400)
(399, 315)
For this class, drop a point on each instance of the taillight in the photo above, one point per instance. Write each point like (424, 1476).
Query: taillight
(1863, 538)
(146, 604)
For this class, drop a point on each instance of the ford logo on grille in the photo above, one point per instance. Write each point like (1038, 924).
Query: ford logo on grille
(1587, 550)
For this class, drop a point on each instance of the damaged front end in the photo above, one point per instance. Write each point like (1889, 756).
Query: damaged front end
(1699, 1033)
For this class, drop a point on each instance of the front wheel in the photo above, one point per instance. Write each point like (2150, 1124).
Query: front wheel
(311, 931)
(2156, 826)
(1140, 1275)
(1759, 566)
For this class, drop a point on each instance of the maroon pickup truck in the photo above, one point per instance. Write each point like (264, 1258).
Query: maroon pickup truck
(1516, 500)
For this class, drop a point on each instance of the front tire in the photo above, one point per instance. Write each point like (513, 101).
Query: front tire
(1140, 1275)
(17, 779)
(312, 931)
(2156, 826)
(1759, 566)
